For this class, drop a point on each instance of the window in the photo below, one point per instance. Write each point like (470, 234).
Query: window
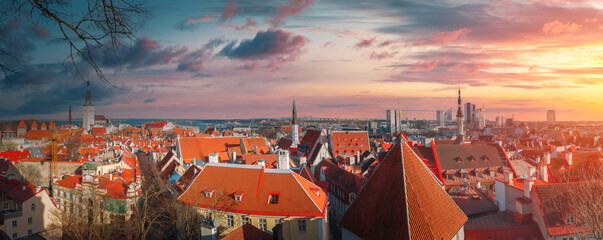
(273, 199)
(569, 219)
(492, 173)
(229, 221)
(33, 207)
(29, 220)
(245, 220)
(263, 225)
(450, 177)
(301, 225)
(15, 224)
(209, 193)
(352, 197)
(15, 235)
(29, 232)
(6, 205)
(465, 176)
(479, 174)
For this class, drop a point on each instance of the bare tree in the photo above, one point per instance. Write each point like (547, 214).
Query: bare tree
(191, 217)
(82, 29)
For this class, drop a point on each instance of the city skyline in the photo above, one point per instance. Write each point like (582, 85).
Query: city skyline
(251, 59)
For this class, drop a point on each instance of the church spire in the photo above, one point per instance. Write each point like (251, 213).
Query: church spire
(460, 119)
(88, 101)
(294, 115)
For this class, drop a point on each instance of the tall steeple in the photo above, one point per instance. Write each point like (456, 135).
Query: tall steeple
(294, 128)
(294, 115)
(88, 101)
(460, 118)
(88, 110)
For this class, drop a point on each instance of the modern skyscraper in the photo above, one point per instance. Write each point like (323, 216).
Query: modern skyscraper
(439, 118)
(88, 110)
(550, 116)
(394, 121)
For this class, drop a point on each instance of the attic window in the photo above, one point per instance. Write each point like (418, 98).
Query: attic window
(238, 196)
(479, 174)
(485, 158)
(315, 191)
(209, 192)
(471, 158)
(459, 159)
(273, 198)
(569, 219)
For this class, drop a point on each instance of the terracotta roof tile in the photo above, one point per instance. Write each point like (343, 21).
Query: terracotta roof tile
(295, 193)
(349, 142)
(247, 232)
(22, 124)
(200, 148)
(417, 206)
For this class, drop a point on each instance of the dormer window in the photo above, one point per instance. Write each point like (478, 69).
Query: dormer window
(315, 191)
(209, 193)
(569, 219)
(273, 198)
(479, 174)
(238, 196)
(492, 173)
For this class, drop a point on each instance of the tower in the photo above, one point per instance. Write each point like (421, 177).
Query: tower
(294, 128)
(459, 118)
(88, 110)
(550, 117)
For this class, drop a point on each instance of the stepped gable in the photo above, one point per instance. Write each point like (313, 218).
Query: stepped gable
(403, 200)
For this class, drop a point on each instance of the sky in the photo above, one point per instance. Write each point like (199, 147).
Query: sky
(336, 58)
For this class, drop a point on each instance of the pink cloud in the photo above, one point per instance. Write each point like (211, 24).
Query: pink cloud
(427, 65)
(205, 18)
(380, 56)
(250, 23)
(292, 8)
(591, 20)
(327, 44)
(365, 43)
(229, 10)
(40, 31)
(468, 68)
(557, 27)
(442, 38)
(386, 43)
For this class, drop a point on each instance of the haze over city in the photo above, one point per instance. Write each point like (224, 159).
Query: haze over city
(348, 59)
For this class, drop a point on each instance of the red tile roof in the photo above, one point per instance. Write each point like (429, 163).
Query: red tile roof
(38, 135)
(43, 125)
(70, 181)
(200, 148)
(296, 196)
(247, 232)
(99, 131)
(21, 195)
(15, 156)
(271, 160)
(416, 206)
(349, 142)
(22, 124)
(34, 125)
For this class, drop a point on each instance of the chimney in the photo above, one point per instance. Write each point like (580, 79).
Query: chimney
(544, 174)
(537, 159)
(478, 185)
(531, 172)
(352, 160)
(38, 188)
(547, 158)
(234, 156)
(255, 149)
(527, 187)
(358, 156)
(262, 162)
(111, 176)
(302, 160)
(283, 159)
(508, 176)
(213, 157)
(23, 187)
(568, 157)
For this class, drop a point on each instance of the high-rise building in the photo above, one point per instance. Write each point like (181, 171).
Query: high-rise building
(480, 118)
(550, 116)
(394, 121)
(439, 118)
(88, 110)
(448, 116)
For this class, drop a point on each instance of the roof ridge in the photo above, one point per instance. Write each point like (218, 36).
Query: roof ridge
(306, 192)
(399, 143)
(189, 187)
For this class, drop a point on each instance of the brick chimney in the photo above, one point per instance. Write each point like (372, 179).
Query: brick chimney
(531, 172)
(262, 162)
(547, 158)
(213, 158)
(569, 157)
(544, 173)
(527, 187)
(508, 176)
(283, 159)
